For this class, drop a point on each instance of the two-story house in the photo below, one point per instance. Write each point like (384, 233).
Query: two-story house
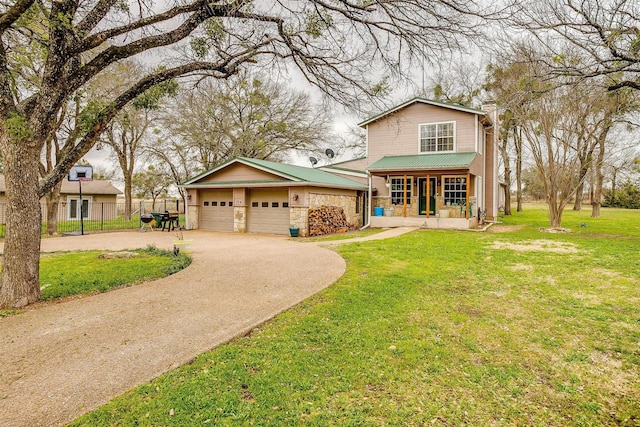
(427, 163)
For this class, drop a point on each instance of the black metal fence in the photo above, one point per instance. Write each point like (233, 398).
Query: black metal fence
(99, 216)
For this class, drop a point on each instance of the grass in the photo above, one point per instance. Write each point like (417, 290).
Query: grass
(64, 274)
(343, 236)
(515, 327)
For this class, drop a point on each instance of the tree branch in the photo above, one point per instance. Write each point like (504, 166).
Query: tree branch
(13, 14)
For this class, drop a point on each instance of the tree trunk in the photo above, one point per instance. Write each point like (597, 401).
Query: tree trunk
(555, 214)
(127, 196)
(597, 197)
(53, 201)
(577, 205)
(507, 175)
(517, 137)
(20, 271)
(614, 177)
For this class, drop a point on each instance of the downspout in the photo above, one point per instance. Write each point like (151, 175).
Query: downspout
(368, 224)
(484, 170)
(186, 211)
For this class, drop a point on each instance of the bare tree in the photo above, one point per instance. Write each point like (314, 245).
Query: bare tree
(586, 38)
(247, 115)
(504, 82)
(333, 45)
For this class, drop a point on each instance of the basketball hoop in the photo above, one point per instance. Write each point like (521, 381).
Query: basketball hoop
(79, 174)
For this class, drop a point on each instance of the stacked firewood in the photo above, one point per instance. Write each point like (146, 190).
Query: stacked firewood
(328, 220)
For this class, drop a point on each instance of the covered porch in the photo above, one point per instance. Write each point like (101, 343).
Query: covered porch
(431, 191)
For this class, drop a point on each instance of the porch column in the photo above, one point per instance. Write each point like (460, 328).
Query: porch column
(405, 197)
(466, 214)
(428, 194)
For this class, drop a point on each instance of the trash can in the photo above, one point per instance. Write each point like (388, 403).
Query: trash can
(378, 211)
(388, 212)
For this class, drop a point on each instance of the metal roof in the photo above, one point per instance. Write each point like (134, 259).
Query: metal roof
(291, 173)
(458, 107)
(423, 162)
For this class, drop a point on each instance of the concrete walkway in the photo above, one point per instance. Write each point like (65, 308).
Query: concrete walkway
(386, 234)
(61, 360)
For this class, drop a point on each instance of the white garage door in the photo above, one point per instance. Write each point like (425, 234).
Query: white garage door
(216, 210)
(268, 211)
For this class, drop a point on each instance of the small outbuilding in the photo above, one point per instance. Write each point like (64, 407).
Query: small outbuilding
(94, 194)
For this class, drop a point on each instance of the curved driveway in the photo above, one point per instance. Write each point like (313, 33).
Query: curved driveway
(61, 360)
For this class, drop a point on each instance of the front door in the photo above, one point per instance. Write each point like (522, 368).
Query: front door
(422, 195)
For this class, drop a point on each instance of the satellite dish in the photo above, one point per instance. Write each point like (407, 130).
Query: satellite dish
(329, 152)
(313, 160)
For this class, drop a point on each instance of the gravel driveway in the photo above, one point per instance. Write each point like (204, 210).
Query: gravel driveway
(62, 360)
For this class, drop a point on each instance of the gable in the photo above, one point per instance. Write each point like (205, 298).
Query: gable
(239, 172)
(426, 102)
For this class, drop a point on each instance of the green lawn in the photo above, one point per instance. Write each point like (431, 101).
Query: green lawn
(343, 236)
(64, 274)
(510, 327)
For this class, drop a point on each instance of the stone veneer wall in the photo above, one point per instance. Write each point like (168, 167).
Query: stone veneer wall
(412, 206)
(398, 210)
(239, 219)
(347, 203)
(299, 218)
(193, 217)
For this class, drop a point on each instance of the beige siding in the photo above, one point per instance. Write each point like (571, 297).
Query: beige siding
(268, 211)
(398, 133)
(212, 214)
(240, 172)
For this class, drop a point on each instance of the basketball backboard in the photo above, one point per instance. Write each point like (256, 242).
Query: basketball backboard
(81, 173)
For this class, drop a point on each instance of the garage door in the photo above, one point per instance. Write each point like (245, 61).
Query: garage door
(268, 211)
(216, 210)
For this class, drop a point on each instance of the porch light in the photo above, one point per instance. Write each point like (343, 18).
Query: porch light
(388, 183)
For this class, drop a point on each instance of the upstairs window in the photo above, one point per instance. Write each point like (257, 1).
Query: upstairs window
(437, 137)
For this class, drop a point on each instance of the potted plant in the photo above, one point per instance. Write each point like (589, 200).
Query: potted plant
(294, 231)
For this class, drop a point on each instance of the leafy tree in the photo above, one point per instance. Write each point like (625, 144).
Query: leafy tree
(333, 45)
(627, 196)
(151, 183)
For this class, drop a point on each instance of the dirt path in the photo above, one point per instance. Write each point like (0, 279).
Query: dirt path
(62, 360)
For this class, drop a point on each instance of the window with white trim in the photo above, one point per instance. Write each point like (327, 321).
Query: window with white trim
(454, 190)
(74, 209)
(397, 190)
(436, 137)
